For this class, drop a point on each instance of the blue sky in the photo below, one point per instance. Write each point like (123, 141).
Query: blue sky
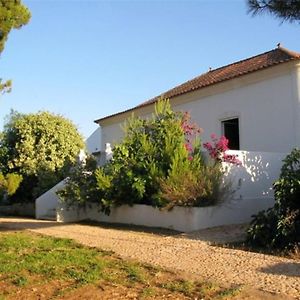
(88, 59)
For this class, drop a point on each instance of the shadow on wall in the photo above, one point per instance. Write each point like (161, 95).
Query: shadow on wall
(18, 209)
(254, 178)
(291, 269)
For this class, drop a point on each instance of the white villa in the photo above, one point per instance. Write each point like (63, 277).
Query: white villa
(254, 102)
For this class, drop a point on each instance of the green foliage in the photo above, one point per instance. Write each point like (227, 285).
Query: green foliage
(9, 184)
(13, 15)
(145, 156)
(287, 10)
(41, 147)
(155, 164)
(81, 184)
(5, 87)
(279, 227)
(203, 185)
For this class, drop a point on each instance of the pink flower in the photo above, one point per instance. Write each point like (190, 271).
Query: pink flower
(213, 136)
(190, 131)
(217, 150)
(188, 147)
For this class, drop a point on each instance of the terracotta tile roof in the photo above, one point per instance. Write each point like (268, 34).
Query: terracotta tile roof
(237, 69)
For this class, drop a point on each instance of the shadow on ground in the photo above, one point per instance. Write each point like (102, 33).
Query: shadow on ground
(215, 236)
(291, 269)
(130, 227)
(17, 223)
(219, 235)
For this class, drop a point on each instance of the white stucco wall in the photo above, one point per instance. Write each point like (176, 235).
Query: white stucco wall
(264, 109)
(111, 134)
(46, 204)
(93, 142)
(185, 219)
(267, 107)
(253, 179)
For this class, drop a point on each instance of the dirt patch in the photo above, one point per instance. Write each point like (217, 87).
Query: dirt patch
(109, 291)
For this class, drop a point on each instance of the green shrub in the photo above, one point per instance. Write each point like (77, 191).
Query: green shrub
(279, 227)
(142, 158)
(158, 163)
(81, 184)
(204, 187)
(9, 184)
(42, 147)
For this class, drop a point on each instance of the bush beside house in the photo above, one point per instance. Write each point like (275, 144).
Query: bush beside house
(158, 163)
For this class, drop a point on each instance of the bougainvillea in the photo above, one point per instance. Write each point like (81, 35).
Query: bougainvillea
(191, 132)
(217, 150)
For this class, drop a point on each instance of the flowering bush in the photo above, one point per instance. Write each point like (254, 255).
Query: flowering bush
(217, 150)
(191, 132)
(152, 151)
(158, 163)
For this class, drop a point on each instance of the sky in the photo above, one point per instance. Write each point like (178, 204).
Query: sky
(88, 59)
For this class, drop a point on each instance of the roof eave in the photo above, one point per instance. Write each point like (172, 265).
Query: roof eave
(294, 56)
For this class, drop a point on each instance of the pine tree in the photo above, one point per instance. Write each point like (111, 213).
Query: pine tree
(13, 15)
(287, 10)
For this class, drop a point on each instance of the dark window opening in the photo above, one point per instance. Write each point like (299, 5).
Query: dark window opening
(231, 132)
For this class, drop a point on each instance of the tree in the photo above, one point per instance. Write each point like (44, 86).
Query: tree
(9, 184)
(287, 10)
(13, 15)
(41, 147)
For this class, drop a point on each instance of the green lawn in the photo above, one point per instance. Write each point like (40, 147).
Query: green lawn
(35, 265)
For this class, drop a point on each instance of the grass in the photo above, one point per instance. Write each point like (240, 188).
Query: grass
(182, 286)
(34, 262)
(51, 257)
(202, 290)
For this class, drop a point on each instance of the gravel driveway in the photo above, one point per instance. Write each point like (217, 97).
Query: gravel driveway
(188, 253)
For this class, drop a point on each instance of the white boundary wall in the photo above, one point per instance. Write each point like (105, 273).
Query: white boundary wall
(253, 183)
(183, 219)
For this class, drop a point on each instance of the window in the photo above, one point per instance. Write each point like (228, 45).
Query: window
(230, 129)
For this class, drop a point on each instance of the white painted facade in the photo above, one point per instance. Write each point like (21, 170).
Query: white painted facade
(267, 103)
(93, 142)
(46, 205)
